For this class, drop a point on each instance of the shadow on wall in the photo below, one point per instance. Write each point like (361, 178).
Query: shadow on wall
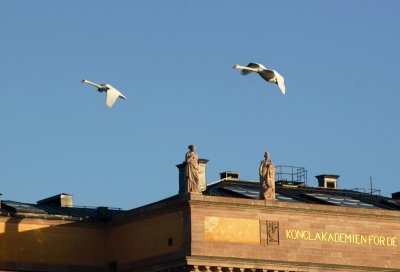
(45, 245)
(34, 244)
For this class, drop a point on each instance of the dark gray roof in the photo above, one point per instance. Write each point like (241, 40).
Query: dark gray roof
(53, 211)
(303, 194)
(227, 187)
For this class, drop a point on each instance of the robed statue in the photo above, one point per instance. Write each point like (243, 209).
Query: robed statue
(192, 170)
(267, 178)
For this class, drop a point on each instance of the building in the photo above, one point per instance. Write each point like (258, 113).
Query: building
(224, 228)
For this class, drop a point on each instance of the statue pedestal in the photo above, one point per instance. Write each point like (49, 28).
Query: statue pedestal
(183, 186)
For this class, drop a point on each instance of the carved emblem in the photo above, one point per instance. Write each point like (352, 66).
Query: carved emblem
(272, 233)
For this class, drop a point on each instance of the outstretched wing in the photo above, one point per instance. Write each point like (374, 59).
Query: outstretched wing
(280, 81)
(250, 65)
(112, 95)
(268, 75)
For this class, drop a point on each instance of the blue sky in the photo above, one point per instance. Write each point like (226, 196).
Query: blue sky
(173, 59)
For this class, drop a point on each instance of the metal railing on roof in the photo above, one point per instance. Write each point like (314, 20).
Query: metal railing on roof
(291, 174)
(370, 191)
(78, 211)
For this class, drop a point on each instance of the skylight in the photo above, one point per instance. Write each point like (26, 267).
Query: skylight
(345, 201)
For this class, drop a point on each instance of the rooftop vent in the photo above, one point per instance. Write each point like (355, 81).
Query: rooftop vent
(229, 175)
(327, 181)
(61, 200)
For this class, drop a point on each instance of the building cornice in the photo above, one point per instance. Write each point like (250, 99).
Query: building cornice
(268, 205)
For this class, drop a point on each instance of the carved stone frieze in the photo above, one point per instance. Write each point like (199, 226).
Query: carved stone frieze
(272, 233)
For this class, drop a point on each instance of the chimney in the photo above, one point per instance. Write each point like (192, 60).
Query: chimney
(61, 200)
(327, 181)
(102, 213)
(396, 195)
(229, 175)
(202, 176)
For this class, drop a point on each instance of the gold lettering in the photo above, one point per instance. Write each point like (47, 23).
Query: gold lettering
(363, 239)
(357, 239)
(376, 240)
(348, 237)
(309, 236)
(330, 237)
(394, 241)
(370, 238)
(381, 240)
(288, 234)
(341, 237)
(324, 236)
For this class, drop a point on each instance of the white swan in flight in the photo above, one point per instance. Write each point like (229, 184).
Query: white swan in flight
(112, 93)
(269, 75)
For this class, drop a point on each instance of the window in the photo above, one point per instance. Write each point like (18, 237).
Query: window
(330, 184)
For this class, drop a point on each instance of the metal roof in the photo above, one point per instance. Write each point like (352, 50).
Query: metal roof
(285, 192)
(73, 213)
(304, 194)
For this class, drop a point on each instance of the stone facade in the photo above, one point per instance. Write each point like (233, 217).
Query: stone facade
(195, 232)
(310, 237)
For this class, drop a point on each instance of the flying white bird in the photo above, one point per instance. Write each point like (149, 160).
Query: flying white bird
(112, 93)
(269, 75)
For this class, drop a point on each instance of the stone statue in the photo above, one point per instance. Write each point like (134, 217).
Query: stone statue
(192, 170)
(267, 178)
